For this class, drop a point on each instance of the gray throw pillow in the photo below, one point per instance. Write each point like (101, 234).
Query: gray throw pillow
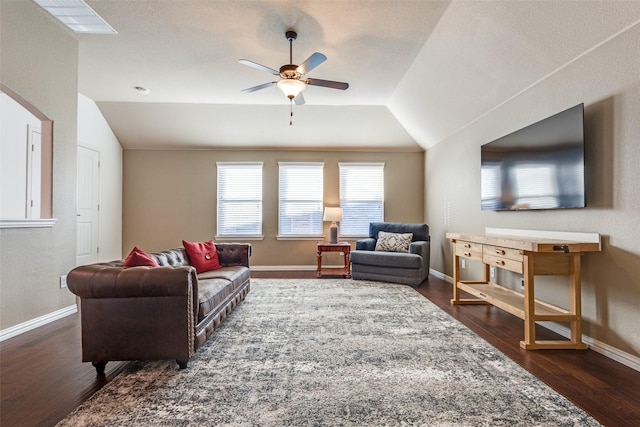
(393, 242)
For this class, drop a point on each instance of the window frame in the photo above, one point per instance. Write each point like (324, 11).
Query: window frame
(320, 202)
(344, 201)
(220, 167)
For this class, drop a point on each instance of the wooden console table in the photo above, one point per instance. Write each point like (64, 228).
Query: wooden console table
(345, 248)
(529, 257)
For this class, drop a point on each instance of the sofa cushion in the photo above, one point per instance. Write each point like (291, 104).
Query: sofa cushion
(386, 259)
(211, 293)
(202, 255)
(138, 257)
(236, 274)
(393, 242)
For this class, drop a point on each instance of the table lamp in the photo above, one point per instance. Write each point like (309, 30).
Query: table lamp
(334, 215)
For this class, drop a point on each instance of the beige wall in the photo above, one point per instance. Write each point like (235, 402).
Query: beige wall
(171, 195)
(607, 80)
(40, 63)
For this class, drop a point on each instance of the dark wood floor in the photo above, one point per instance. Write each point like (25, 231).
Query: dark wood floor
(42, 377)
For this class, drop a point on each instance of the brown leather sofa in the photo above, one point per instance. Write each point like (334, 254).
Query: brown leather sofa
(156, 313)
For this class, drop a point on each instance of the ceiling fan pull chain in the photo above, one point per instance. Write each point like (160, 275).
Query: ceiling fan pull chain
(291, 109)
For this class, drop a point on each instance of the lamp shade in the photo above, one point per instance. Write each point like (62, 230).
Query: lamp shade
(291, 87)
(332, 214)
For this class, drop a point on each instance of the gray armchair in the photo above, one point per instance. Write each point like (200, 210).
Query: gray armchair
(410, 268)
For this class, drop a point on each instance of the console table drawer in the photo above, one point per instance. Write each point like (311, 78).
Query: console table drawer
(469, 250)
(503, 262)
(499, 251)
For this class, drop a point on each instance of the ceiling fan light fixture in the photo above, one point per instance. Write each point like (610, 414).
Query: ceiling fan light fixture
(291, 87)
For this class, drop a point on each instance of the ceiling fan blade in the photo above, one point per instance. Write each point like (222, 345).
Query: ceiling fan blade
(255, 88)
(299, 99)
(327, 83)
(258, 66)
(312, 62)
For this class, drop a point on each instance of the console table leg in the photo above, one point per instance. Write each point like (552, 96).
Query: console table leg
(456, 277)
(575, 280)
(529, 302)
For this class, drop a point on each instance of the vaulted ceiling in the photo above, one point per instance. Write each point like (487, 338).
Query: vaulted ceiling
(418, 71)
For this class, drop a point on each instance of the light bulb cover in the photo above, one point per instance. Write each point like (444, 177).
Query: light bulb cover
(291, 87)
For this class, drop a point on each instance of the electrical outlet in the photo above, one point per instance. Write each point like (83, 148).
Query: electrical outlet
(492, 272)
(463, 263)
(63, 281)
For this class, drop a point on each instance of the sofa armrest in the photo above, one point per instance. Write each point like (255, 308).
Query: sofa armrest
(368, 244)
(234, 253)
(136, 313)
(109, 281)
(422, 248)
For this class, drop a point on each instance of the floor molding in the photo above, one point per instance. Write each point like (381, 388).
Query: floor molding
(607, 350)
(285, 267)
(37, 322)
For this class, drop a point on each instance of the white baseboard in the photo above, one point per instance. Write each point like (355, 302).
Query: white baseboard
(37, 322)
(611, 352)
(288, 267)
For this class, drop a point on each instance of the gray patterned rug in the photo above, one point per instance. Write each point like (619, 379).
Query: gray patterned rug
(333, 353)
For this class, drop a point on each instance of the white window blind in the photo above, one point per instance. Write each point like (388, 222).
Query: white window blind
(239, 199)
(491, 178)
(361, 197)
(300, 199)
(536, 185)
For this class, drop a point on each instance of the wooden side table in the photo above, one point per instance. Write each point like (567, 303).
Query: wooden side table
(345, 248)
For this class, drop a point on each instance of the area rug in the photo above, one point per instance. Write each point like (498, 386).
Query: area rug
(332, 353)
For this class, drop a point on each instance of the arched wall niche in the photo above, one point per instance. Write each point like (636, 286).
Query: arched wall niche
(44, 217)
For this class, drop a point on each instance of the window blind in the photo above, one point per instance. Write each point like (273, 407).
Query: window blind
(239, 199)
(300, 199)
(361, 197)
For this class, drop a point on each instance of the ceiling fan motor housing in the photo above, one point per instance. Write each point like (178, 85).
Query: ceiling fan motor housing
(290, 71)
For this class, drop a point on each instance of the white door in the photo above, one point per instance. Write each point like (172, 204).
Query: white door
(87, 246)
(34, 171)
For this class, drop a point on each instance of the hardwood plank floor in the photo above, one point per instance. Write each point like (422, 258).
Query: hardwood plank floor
(42, 378)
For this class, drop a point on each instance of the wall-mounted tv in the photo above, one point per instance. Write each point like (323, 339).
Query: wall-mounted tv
(538, 167)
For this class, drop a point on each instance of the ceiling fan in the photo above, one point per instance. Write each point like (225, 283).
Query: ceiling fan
(293, 78)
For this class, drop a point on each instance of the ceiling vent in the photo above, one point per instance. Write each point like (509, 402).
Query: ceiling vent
(77, 16)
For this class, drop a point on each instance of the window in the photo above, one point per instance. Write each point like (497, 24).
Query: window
(239, 199)
(361, 197)
(300, 199)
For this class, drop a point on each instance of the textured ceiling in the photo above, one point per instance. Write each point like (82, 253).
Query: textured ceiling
(418, 70)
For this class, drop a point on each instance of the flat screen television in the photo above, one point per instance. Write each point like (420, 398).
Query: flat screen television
(538, 167)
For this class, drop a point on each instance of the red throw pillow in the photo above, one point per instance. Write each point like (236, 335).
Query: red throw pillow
(139, 257)
(203, 255)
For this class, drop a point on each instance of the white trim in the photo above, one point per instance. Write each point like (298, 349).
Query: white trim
(318, 237)
(285, 267)
(606, 350)
(611, 352)
(562, 235)
(440, 276)
(37, 322)
(28, 223)
(239, 237)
